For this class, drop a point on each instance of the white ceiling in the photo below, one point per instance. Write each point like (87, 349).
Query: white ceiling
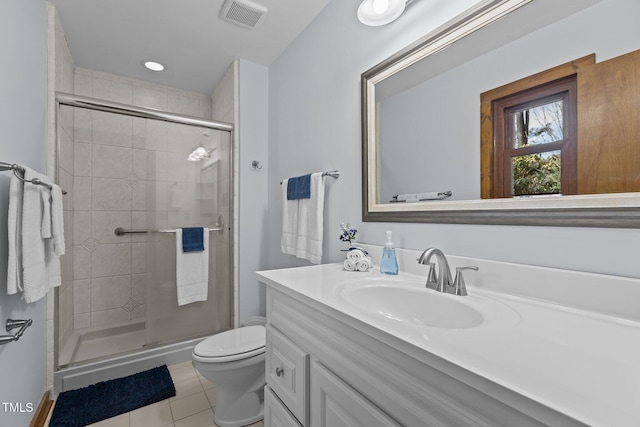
(187, 36)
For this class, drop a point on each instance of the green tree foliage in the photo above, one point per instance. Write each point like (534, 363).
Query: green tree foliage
(536, 174)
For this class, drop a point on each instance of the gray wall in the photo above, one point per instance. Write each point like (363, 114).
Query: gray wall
(23, 42)
(253, 130)
(314, 124)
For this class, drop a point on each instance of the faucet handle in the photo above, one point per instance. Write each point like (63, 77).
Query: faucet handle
(459, 287)
(432, 279)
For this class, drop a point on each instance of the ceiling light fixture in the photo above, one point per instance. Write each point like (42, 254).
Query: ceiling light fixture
(152, 65)
(380, 12)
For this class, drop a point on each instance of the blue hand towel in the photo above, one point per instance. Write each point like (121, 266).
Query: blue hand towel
(299, 187)
(192, 239)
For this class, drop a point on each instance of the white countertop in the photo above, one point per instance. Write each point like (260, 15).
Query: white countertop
(582, 364)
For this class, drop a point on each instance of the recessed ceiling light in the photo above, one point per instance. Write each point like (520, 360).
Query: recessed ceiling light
(153, 65)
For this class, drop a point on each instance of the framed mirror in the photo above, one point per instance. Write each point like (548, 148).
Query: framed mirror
(423, 122)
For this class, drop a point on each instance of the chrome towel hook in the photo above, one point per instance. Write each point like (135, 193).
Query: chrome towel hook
(255, 165)
(11, 325)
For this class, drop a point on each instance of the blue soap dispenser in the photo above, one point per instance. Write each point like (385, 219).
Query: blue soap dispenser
(389, 263)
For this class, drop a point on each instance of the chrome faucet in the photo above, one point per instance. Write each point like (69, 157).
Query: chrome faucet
(442, 281)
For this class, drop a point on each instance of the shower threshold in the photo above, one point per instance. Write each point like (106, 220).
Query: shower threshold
(102, 342)
(82, 375)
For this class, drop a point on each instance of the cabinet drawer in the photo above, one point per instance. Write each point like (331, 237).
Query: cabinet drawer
(335, 404)
(275, 413)
(287, 373)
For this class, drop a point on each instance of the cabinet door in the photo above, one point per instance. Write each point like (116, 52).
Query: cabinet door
(287, 372)
(335, 404)
(275, 413)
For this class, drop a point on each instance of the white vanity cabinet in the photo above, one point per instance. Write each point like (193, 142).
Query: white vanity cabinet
(297, 389)
(287, 373)
(275, 413)
(335, 404)
(326, 369)
(309, 394)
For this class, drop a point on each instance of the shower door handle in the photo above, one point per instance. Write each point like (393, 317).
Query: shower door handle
(219, 227)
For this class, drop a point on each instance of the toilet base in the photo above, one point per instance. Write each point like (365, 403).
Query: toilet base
(239, 377)
(230, 411)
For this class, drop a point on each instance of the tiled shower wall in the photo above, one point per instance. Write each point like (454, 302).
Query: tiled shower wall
(112, 158)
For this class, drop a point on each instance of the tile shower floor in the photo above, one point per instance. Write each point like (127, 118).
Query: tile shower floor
(192, 405)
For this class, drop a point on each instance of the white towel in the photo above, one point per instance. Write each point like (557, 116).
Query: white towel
(192, 271)
(45, 230)
(40, 264)
(14, 222)
(364, 264)
(57, 220)
(302, 222)
(355, 255)
(407, 197)
(349, 265)
(289, 222)
(433, 195)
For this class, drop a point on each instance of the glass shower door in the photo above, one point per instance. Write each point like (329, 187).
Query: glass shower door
(128, 171)
(188, 190)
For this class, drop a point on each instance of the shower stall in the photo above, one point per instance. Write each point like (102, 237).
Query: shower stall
(134, 175)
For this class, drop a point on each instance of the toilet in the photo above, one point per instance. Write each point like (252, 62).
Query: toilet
(235, 362)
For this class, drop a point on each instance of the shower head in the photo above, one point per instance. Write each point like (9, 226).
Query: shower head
(199, 153)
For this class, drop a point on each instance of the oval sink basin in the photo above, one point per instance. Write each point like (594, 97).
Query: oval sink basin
(410, 302)
(418, 306)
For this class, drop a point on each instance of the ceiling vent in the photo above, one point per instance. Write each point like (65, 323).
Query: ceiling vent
(245, 13)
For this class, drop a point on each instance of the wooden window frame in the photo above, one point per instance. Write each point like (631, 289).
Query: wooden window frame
(491, 184)
(504, 152)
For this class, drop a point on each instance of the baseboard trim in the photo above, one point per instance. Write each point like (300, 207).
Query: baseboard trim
(42, 413)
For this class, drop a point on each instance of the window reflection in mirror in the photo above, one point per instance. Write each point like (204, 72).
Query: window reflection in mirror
(534, 140)
(573, 135)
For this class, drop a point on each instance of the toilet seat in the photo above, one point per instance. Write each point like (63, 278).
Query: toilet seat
(235, 344)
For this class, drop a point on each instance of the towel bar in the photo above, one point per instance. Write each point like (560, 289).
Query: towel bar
(11, 325)
(333, 174)
(17, 168)
(219, 227)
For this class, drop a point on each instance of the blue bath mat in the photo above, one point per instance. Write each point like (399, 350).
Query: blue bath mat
(77, 408)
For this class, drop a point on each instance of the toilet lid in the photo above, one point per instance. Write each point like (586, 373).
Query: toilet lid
(235, 344)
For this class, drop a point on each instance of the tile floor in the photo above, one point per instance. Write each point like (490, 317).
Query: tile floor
(192, 406)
